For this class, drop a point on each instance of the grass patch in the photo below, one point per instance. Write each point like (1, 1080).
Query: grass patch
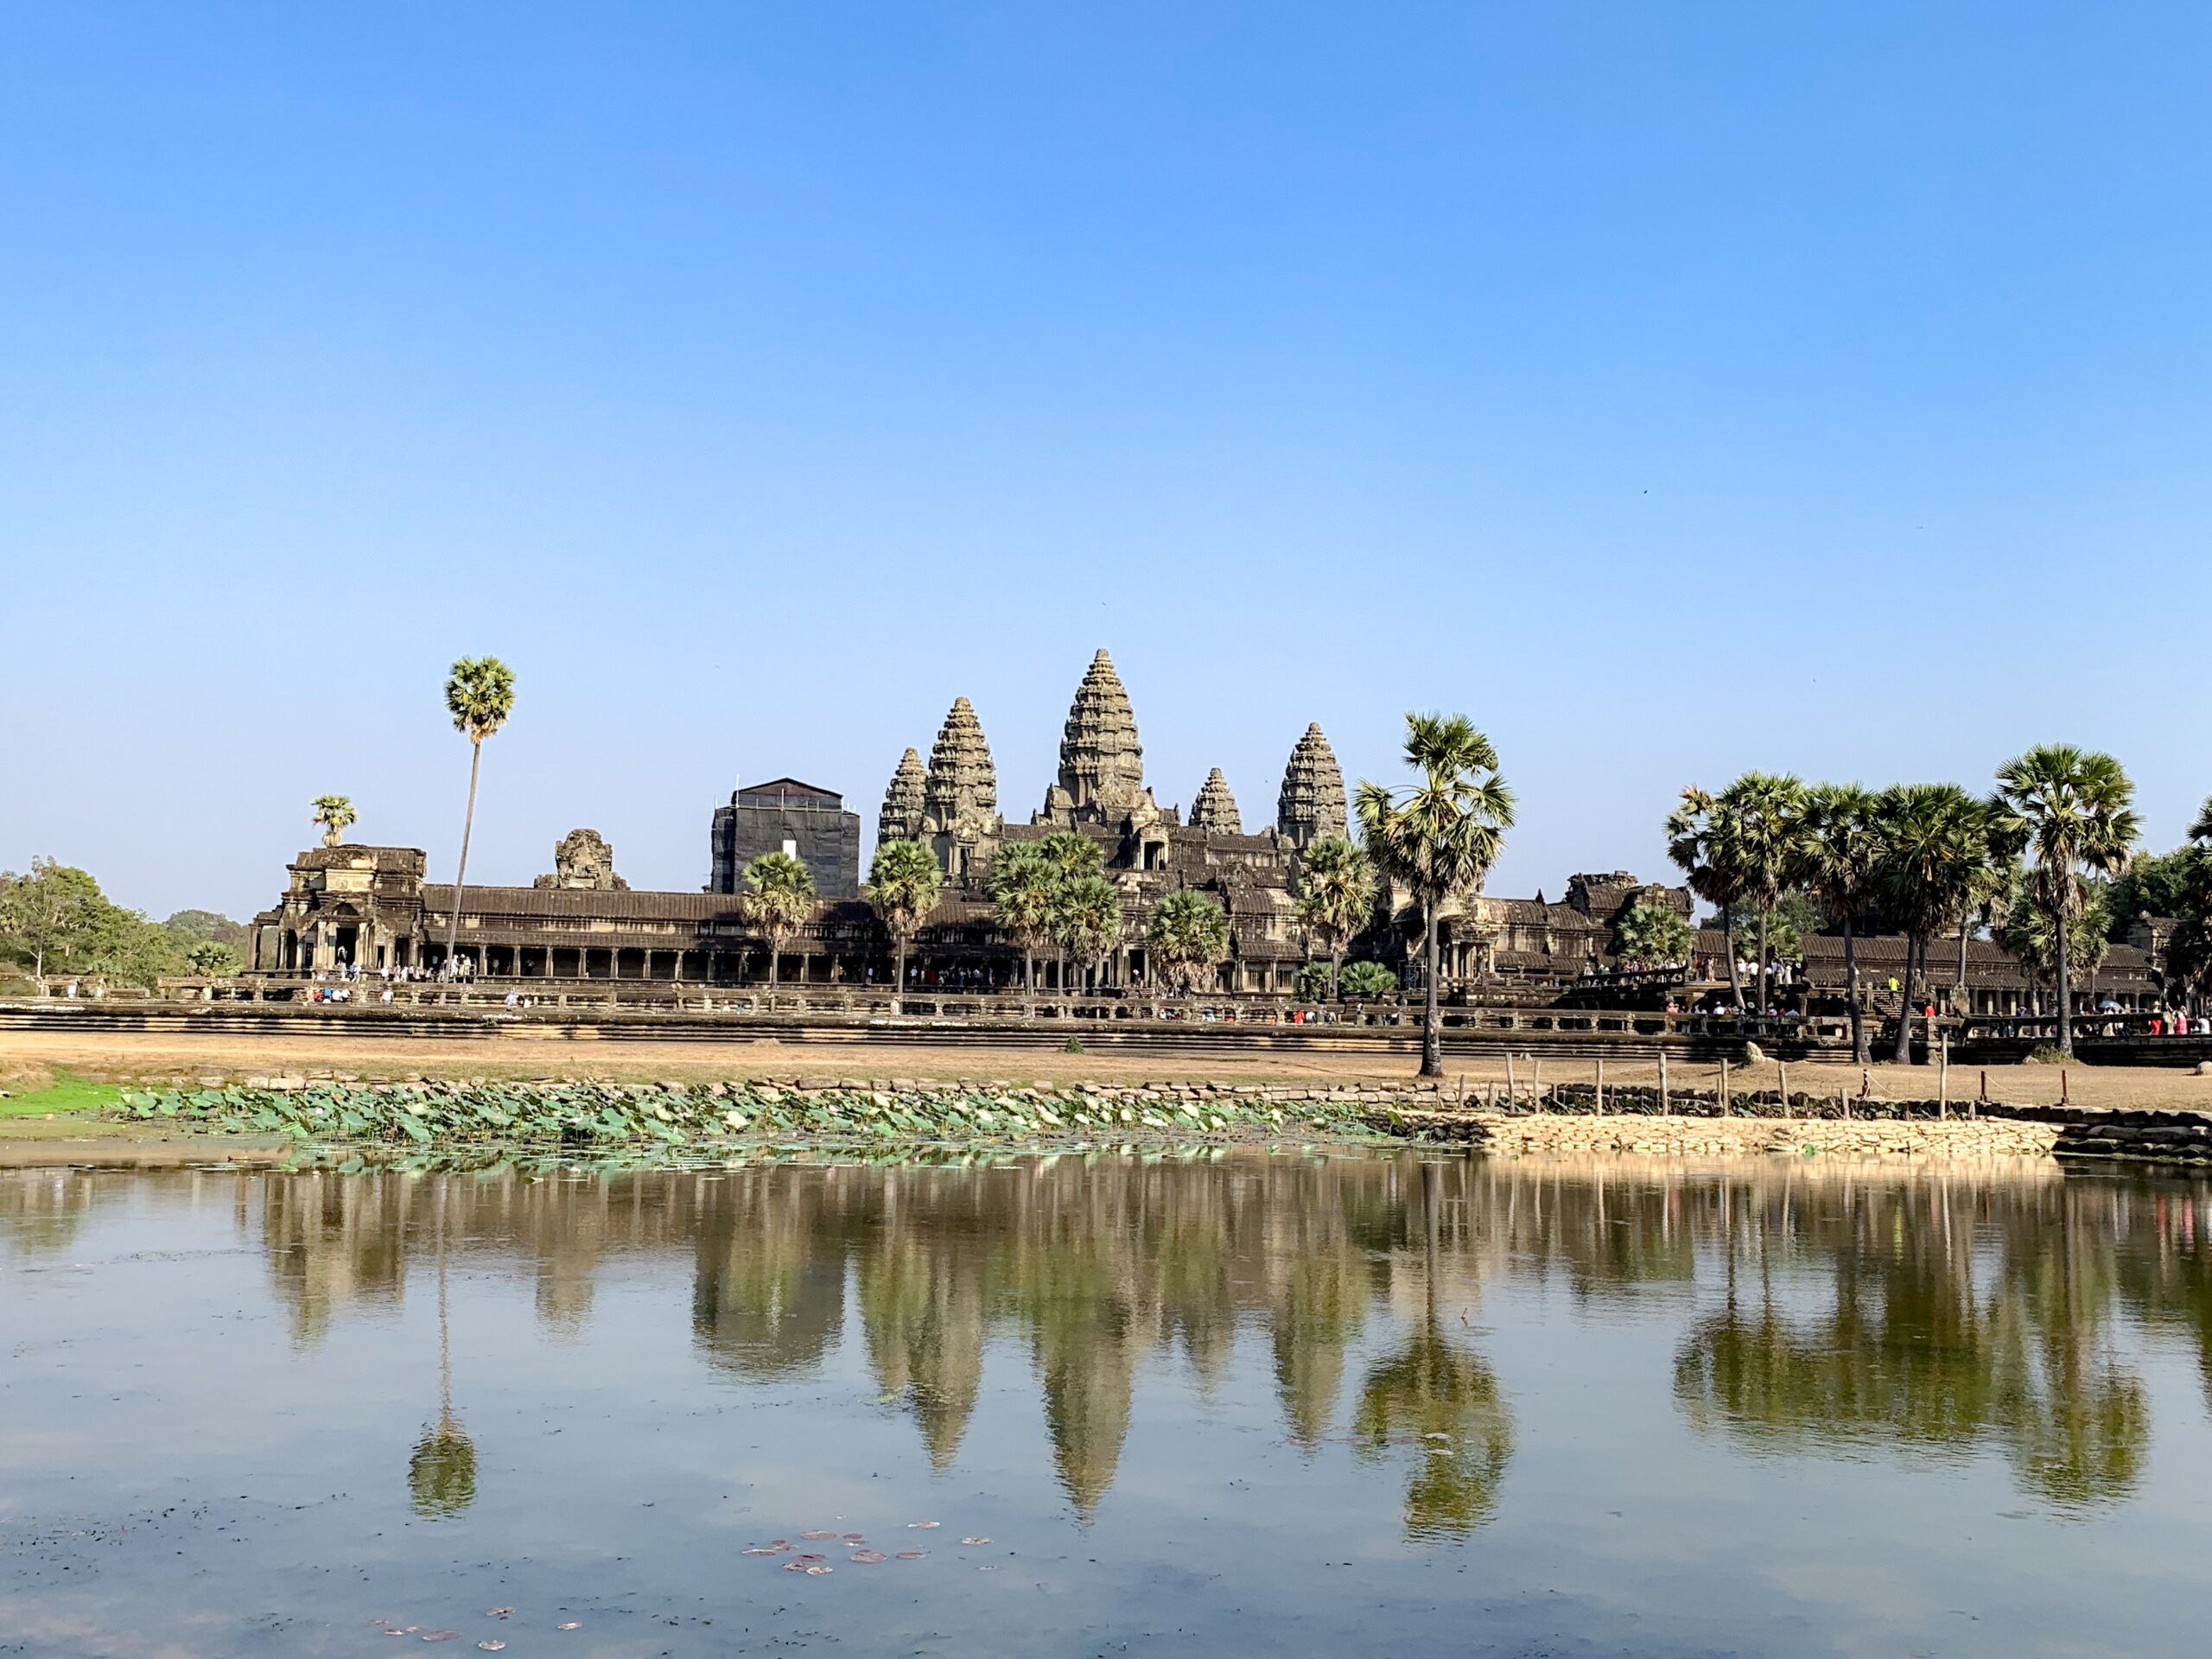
(64, 1093)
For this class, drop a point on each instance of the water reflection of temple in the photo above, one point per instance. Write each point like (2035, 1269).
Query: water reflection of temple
(1909, 1312)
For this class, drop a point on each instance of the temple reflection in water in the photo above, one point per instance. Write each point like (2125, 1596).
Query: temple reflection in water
(1914, 1313)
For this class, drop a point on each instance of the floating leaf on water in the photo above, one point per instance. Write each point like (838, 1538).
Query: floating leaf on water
(819, 1532)
(794, 1567)
(914, 1554)
(869, 1557)
(817, 1571)
(490, 1644)
(975, 1541)
(924, 1526)
(573, 1624)
(498, 1613)
(763, 1551)
(855, 1538)
(441, 1636)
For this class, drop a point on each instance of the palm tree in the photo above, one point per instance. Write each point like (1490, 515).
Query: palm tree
(779, 900)
(1336, 895)
(1701, 840)
(1071, 856)
(442, 1472)
(333, 813)
(1653, 933)
(1439, 837)
(1839, 863)
(904, 880)
(1741, 848)
(1187, 931)
(479, 696)
(1024, 883)
(1086, 920)
(1935, 847)
(2072, 810)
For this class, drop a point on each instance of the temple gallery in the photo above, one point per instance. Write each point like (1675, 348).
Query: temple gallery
(371, 909)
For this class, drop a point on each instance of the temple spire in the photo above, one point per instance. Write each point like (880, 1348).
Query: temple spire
(902, 802)
(1101, 763)
(1311, 806)
(960, 791)
(1216, 808)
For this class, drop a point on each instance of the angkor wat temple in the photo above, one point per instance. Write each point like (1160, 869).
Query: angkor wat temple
(581, 923)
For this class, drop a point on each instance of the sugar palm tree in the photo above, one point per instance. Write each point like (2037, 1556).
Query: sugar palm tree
(1652, 933)
(1702, 839)
(479, 696)
(778, 899)
(1023, 883)
(1187, 931)
(904, 880)
(1438, 837)
(1086, 920)
(1071, 856)
(1739, 849)
(1839, 863)
(1934, 848)
(1336, 895)
(441, 1471)
(2072, 810)
(333, 813)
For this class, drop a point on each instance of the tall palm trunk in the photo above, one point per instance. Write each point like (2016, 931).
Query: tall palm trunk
(1735, 974)
(898, 979)
(1959, 989)
(1862, 1053)
(1431, 1031)
(1765, 1006)
(2065, 983)
(775, 962)
(468, 828)
(1336, 967)
(1903, 1056)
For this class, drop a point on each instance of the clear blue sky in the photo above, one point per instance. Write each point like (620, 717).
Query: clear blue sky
(1674, 389)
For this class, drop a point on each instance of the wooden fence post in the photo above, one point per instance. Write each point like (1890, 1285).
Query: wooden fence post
(1723, 1088)
(1601, 1085)
(1783, 1071)
(1512, 1084)
(1666, 1108)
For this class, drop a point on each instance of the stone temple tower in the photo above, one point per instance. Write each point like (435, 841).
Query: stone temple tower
(960, 793)
(1101, 763)
(1216, 808)
(1311, 806)
(902, 802)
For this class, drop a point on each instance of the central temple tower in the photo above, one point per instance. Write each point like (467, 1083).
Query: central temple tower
(1101, 763)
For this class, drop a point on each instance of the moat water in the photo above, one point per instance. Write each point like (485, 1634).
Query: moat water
(1206, 1404)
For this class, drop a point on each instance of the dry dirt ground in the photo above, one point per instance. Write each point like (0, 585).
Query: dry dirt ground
(29, 1059)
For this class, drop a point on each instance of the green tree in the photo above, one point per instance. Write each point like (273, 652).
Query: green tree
(1740, 849)
(1367, 980)
(1839, 862)
(1071, 856)
(904, 880)
(333, 813)
(190, 927)
(1439, 837)
(1187, 931)
(1315, 982)
(1936, 842)
(1086, 920)
(778, 899)
(48, 917)
(1652, 933)
(212, 959)
(1336, 895)
(1024, 884)
(2072, 810)
(2154, 883)
(2029, 929)
(479, 696)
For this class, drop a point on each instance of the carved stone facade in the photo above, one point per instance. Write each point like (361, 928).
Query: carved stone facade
(1216, 808)
(901, 818)
(583, 862)
(1311, 806)
(960, 792)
